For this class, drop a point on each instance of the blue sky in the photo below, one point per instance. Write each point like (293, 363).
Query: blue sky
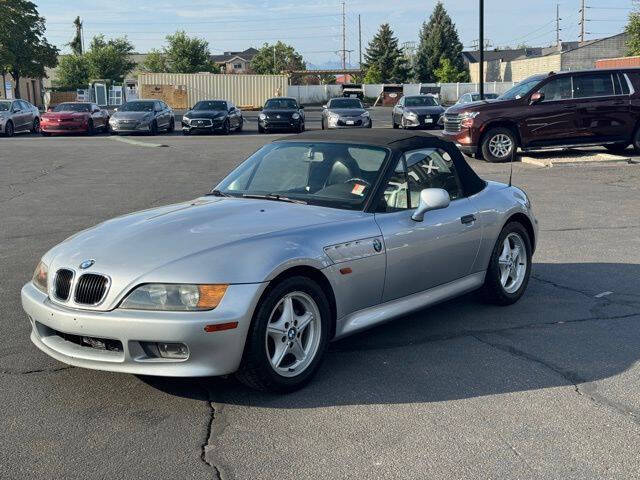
(314, 27)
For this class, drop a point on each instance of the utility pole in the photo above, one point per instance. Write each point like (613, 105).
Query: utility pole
(481, 42)
(275, 72)
(558, 40)
(582, 20)
(344, 39)
(360, 42)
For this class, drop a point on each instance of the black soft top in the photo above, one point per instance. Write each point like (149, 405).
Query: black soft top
(398, 141)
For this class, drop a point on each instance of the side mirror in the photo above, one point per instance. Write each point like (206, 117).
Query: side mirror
(301, 107)
(49, 109)
(536, 97)
(431, 199)
(324, 106)
(115, 109)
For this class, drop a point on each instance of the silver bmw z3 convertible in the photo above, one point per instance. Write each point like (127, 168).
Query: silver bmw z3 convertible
(312, 238)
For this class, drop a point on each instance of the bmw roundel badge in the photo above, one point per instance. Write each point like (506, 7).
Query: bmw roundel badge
(86, 264)
(377, 245)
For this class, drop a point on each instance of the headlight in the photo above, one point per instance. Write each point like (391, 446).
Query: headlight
(177, 297)
(262, 116)
(410, 115)
(40, 276)
(364, 114)
(466, 118)
(295, 116)
(334, 116)
(186, 120)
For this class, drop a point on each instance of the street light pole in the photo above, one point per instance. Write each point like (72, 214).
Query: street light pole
(481, 86)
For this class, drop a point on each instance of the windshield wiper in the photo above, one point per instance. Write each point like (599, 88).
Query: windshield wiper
(217, 193)
(273, 196)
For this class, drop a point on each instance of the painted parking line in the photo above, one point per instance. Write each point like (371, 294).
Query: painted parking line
(138, 143)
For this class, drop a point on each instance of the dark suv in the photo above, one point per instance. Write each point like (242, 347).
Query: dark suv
(582, 108)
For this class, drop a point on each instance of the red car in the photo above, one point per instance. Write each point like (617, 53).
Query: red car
(74, 117)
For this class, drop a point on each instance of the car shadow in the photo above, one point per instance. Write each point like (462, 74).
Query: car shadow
(554, 336)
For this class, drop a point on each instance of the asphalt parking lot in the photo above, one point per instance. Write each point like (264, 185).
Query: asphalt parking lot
(546, 388)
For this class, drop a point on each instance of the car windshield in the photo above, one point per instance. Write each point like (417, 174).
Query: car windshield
(519, 90)
(72, 107)
(283, 103)
(334, 175)
(210, 105)
(422, 101)
(345, 103)
(5, 106)
(137, 107)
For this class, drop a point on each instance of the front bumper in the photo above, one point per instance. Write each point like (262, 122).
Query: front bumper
(422, 121)
(284, 124)
(349, 122)
(197, 125)
(62, 127)
(217, 353)
(128, 127)
(465, 140)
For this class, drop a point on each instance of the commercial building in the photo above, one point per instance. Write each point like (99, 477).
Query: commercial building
(515, 65)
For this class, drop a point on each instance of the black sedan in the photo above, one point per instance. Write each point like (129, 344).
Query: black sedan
(211, 116)
(417, 111)
(281, 113)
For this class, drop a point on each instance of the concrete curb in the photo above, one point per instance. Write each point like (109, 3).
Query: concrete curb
(596, 158)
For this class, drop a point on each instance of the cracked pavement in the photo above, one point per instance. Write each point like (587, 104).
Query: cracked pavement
(547, 388)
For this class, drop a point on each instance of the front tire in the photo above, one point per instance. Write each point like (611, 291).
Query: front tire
(240, 125)
(90, 129)
(509, 267)
(499, 145)
(8, 129)
(154, 128)
(260, 129)
(35, 128)
(288, 337)
(225, 128)
(172, 126)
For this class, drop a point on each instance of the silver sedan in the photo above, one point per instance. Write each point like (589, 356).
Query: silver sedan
(345, 113)
(312, 238)
(18, 116)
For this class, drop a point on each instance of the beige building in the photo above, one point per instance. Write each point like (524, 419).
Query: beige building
(30, 89)
(518, 64)
(235, 62)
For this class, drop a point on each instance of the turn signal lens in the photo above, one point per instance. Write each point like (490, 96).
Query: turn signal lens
(40, 277)
(210, 296)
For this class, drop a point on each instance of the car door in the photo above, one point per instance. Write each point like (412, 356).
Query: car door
(233, 115)
(604, 106)
(441, 248)
(553, 120)
(18, 116)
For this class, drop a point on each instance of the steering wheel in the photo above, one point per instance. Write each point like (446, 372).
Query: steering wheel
(358, 179)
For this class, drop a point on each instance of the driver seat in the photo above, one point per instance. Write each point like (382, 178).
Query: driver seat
(342, 170)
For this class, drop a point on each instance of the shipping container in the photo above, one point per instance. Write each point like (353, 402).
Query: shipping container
(243, 90)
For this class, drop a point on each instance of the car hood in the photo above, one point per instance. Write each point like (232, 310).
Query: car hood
(130, 115)
(432, 109)
(348, 112)
(480, 105)
(150, 245)
(205, 113)
(65, 115)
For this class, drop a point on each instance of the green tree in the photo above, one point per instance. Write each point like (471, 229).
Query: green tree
(278, 58)
(447, 73)
(390, 63)
(185, 54)
(73, 72)
(156, 61)
(373, 74)
(25, 50)
(633, 34)
(76, 43)
(110, 59)
(438, 39)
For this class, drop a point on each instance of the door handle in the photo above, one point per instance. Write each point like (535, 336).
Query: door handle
(468, 219)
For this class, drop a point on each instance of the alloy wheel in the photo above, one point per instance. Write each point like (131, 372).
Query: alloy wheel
(500, 145)
(293, 334)
(512, 262)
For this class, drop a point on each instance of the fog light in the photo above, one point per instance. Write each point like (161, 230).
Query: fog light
(173, 350)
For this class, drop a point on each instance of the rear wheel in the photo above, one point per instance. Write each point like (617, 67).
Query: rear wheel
(35, 128)
(260, 129)
(90, 129)
(509, 267)
(240, 125)
(172, 125)
(288, 336)
(499, 145)
(393, 122)
(225, 128)
(322, 124)
(153, 129)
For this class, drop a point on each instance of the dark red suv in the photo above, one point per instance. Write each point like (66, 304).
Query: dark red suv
(582, 108)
